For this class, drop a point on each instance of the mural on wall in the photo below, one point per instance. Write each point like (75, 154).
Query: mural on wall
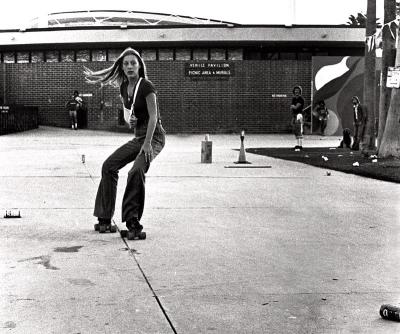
(335, 81)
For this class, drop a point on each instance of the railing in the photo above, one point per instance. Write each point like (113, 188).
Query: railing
(17, 118)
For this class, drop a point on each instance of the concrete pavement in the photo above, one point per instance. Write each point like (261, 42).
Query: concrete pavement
(285, 249)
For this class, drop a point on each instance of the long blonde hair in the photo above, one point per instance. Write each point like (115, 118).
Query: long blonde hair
(114, 75)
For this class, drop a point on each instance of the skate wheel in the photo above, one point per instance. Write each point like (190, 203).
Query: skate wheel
(142, 235)
(113, 229)
(96, 227)
(131, 235)
(102, 229)
(124, 233)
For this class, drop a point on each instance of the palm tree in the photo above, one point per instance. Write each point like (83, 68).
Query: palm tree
(357, 21)
(360, 21)
(368, 141)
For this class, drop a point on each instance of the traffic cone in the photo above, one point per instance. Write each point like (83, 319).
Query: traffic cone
(242, 153)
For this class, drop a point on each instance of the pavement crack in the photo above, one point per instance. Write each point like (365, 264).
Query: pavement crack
(132, 252)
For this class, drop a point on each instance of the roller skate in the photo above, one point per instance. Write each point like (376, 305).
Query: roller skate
(134, 230)
(104, 225)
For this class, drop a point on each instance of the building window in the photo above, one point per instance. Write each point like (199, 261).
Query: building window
(22, 57)
(99, 55)
(304, 55)
(217, 54)
(200, 54)
(149, 54)
(252, 54)
(37, 56)
(52, 56)
(183, 54)
(235, 54)
(165, 54)
(8, 57)
(67, 56)
(83, 56)
(271, 55)
(321, 53)
(113, 54)
(288, 56)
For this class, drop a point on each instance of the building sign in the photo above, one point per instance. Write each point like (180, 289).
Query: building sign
(4, 109)
(393, 77)
(213, 70)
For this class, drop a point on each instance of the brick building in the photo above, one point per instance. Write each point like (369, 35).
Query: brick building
(212, 76)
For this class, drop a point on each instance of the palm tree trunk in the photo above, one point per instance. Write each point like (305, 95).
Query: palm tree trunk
(390, 146)
(368, 143)
(388, 59)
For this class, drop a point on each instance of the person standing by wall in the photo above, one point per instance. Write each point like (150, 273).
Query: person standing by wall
(73, 105)
(323, 115)
(297, 122)
(358, 122)
(139, 98)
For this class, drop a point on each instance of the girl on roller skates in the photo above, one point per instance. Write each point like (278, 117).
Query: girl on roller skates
(139, 98)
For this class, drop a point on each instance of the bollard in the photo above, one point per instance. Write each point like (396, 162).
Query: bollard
(206, 150)
(83, 158)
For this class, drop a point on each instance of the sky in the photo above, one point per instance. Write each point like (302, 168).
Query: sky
(17, 14)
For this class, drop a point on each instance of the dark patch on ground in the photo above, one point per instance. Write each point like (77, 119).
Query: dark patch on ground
(44, 260)
(73, 249)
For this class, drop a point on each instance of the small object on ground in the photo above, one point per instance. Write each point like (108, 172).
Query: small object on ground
(373, 156)
(328, 173)
(10, 214)
(306, 156)
(374, 160)
(340, 155)
(356, 164)
(248, 166)
(390, 312)
(298, 148)
(83, 158)
(206, 150)
(332, 148)
(325, 158)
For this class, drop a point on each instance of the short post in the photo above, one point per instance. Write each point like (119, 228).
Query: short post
(206, 150)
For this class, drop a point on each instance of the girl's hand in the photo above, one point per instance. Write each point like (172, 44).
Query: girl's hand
(148, 152)
(132, 121)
